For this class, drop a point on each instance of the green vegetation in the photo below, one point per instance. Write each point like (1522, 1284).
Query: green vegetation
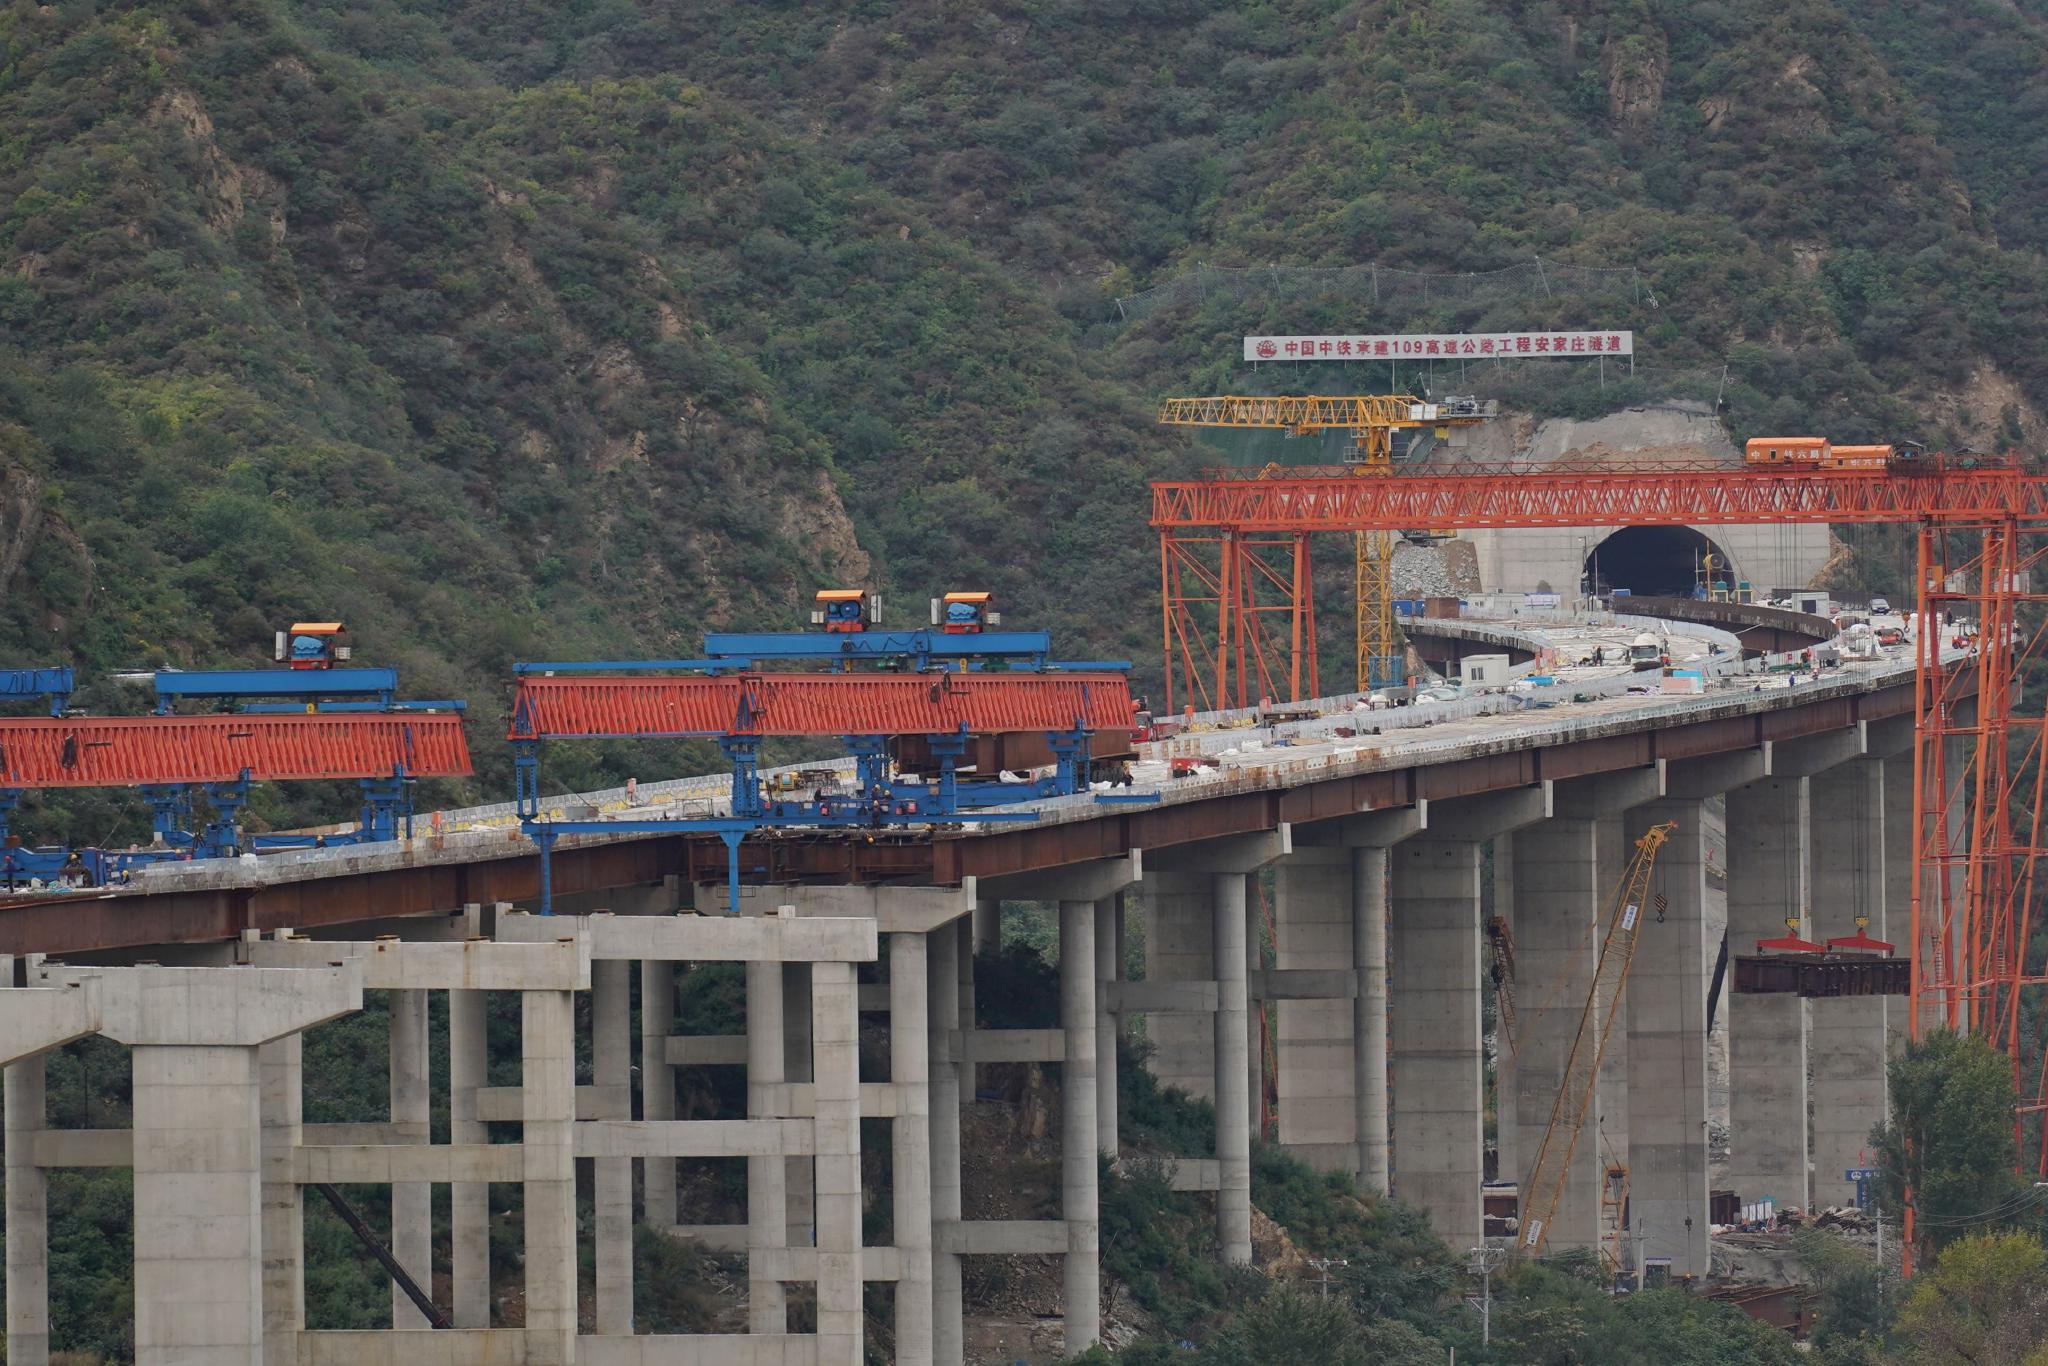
(578, 329)
(1984, 1301)
(1950, 1140)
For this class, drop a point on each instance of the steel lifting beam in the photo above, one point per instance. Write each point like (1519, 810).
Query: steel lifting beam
(131, 751)
(817, 704)
(1444, 501)
(52, 685)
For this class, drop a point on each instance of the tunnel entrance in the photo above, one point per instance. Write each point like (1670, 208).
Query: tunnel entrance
(1654, 561)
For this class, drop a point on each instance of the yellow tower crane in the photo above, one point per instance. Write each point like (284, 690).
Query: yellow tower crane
(1547, 1176)
(1372, 420)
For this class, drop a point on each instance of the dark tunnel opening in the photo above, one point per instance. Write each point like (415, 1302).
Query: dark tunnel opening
(1654, 561)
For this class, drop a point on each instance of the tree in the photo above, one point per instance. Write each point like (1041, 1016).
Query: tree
(1288, 1328)
(1985, 1302)
(1950, 1139)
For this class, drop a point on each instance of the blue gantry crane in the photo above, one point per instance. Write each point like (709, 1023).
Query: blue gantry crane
(851, 680)
(183, 763)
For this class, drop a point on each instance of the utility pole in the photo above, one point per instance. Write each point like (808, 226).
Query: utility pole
(1484, 1259)
(1323, 1265)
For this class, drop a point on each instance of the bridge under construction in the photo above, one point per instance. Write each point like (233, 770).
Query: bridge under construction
(1829, 799)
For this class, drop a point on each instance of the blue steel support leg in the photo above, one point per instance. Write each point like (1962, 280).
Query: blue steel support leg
(744, 752)
(9, 799)
(870, 763)
(1070, 749)
(731, 839)
(223, 835)
(546, 840)
(383, 803)
(948, 749)
(526, 778)
(170, 812)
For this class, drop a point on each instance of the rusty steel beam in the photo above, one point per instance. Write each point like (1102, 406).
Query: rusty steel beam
(1818, 978)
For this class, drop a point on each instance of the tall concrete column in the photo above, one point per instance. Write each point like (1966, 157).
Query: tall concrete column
(800, 1185)
(1898, 878)
(1439, 1062)
(943, 971)
(1667, 1014)
(1369, 1013)
(1558, 927)
(1851, 847)
(412, 1207)
(986, 936)
(1079, 1204)
(767, 1177)
(28, 1229)
(963, 991)
(657, 1085)
(910, 1134)
(1254, 1014)
(1180, 947)
(1233, 1100)
(469, 1201)
(1767, 883)
(198, 1143)
(611, 1058)
(1314, 1045)
(1509, 1155)
(282, 1104)
(198, 1204)
(988, 924)
(547, 1146)
(835, 1032)
(1109, 937)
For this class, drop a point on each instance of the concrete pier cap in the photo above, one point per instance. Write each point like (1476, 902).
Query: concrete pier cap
(1365, 829)
(229, 1006)
(1715, 774)
(1812, 754)
(1090, 881)
(1584, 799)
(36, 1018)
(893, 909)
(1228, 854)
(758, 938)
(1489, 814)
(557, 964)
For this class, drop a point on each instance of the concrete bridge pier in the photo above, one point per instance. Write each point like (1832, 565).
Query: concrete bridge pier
(1769, 881)
(1439, 1061)
(1848, 1034)
(412, 1210)
(1330, 988)
(1667, 1046)
(197, 1153)
(33, 1020)
(1208, 882)
(949, 945)
(1086, 894)
(767, 1174)
(1563, 895)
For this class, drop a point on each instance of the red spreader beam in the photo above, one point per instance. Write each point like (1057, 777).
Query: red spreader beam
(817, 704)
(1447, 501)
(128, 751)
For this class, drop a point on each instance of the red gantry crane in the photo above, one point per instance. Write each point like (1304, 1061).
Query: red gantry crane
(1978, 773)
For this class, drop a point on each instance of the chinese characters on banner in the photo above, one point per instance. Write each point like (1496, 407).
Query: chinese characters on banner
(1443, 346)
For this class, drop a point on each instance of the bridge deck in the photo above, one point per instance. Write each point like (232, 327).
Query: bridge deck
(1298, 772)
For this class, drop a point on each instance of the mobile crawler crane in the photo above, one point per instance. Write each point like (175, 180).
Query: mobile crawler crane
(1547, 1177)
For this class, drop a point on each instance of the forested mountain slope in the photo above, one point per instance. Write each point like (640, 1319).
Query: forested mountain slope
(523, 329)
